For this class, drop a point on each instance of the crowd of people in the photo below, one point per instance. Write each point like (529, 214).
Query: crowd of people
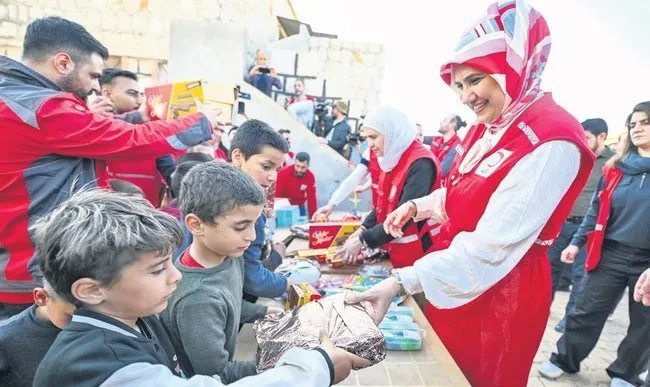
(103, 210)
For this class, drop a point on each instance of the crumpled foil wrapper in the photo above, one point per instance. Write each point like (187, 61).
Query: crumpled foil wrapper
(300, 230)
(348, 326)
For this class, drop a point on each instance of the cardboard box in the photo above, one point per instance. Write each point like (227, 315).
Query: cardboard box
(173, 100)
(299, 295)
(330, 234)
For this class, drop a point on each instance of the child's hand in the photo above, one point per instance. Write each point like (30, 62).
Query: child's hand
(273, 310)
(343, 361)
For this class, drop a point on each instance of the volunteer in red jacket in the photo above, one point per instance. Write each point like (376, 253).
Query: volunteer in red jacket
(442, 145)
(297, 183)
(522, 166)
(54, 146)
(121, 87)
(408, 171)
(616, 231)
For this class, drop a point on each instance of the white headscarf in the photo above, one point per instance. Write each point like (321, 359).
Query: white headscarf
(398, 133)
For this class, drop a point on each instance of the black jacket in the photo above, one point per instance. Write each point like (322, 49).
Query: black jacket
(340, 136)
(94, 347)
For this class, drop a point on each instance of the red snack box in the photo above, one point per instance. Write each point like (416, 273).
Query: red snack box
(330, 234)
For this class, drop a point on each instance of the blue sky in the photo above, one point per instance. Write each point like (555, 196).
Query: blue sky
(599, 64)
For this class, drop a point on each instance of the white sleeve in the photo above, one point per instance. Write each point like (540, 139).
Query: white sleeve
(346, 187)
(297, 367)
(515, 215)
(431, 206)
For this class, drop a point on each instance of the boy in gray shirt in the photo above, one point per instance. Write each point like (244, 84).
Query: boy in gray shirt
(220, 205)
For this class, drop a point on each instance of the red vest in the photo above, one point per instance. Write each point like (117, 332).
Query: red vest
(407, 249)
(220, 154)
(142, 173)
(440, 148)
(596, 237)
(502, 328)
(375, 172)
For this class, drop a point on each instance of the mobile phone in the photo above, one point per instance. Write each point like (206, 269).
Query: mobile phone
(264, 70)
(241, 107)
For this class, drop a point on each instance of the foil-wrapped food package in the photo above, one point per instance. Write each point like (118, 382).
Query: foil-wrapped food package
(348, 326)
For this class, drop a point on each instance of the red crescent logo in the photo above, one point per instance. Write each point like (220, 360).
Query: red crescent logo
(496, 161)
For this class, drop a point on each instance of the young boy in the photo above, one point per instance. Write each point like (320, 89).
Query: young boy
(221, 205)
(109, 254)
(26, 337)
(259, 151)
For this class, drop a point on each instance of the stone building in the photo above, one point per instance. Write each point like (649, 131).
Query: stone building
(136, 33)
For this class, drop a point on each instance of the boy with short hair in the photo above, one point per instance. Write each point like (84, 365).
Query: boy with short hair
(220, 204)
(109, 254)
(26, 337)
(259, 151)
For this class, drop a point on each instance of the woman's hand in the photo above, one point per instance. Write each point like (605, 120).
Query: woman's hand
(323, 213)
(377, 299)
(398, 218)
(569, 254)
(642, 288)
(351, 248)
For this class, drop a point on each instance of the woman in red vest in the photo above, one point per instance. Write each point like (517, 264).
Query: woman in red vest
(518, 171)
(616, 231)
(408, 171)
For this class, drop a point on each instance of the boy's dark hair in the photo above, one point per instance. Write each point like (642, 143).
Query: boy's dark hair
(283, 131)
(96, 234)
(211, 190)
(179, 174)
(109, 74)
(194, 156)
(254, 135)
(234, 128)
(303, 157)
(46, 36)
(125, 187)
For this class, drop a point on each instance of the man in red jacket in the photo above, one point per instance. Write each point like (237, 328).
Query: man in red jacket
(54, 146)
(297, 183)
(121, 87)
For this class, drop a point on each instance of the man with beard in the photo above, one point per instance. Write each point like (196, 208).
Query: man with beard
(596, 133)
(54, 146)
(298, 184)
(444, 147)
(121, 87)
(337, 136)
(301, 106)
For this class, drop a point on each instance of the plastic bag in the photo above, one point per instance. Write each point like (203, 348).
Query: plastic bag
(348, 326)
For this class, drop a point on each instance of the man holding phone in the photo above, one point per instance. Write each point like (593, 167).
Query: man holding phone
(261, 76)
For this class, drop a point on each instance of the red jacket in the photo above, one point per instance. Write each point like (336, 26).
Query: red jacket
(297, 190)
(595, 239)
(52, 145)
(441, 148)
(407, 249)
(220, 154)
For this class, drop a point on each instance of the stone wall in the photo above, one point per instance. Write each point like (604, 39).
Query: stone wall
(138, 29)
(353, 71)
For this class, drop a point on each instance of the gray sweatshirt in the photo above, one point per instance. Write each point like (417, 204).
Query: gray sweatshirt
(203, 318)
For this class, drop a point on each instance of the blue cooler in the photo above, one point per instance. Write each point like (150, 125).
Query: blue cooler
(287, 216)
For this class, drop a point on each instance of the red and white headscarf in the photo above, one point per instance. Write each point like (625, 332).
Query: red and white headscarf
(511, 44)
